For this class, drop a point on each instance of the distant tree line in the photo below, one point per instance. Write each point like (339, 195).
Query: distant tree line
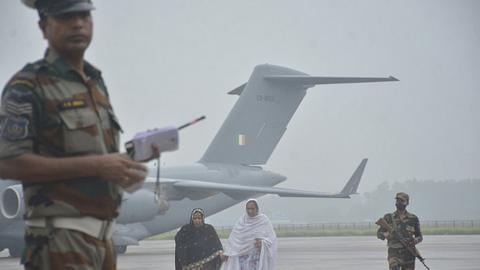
(429, 199)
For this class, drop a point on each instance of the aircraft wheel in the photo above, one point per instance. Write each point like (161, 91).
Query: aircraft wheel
(15, 251)
(121, 249)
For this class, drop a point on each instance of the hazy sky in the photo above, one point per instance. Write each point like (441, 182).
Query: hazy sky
(166, 62)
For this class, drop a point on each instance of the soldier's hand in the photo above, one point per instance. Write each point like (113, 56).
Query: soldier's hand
(120, 169)
(412, 242)
(386, 235)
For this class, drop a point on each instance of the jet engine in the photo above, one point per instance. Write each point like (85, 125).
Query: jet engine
(139, 206)
(12, 206)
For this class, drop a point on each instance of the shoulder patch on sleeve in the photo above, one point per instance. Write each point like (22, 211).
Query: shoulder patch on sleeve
(18, 91)
(15, 128)
(18, 100)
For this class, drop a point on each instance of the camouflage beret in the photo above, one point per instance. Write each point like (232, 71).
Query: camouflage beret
(56, 7)
(403, 196)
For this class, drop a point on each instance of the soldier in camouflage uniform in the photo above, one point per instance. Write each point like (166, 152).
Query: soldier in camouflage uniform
(60, 137)
(408, 226)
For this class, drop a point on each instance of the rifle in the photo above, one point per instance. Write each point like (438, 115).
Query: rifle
(412, 249)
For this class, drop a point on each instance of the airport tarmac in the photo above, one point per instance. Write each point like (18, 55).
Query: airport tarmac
(459, 252)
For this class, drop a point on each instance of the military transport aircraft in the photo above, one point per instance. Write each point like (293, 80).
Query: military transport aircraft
(228, 173)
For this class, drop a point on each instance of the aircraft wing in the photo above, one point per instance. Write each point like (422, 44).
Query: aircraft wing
(229, 188)
(349, 189)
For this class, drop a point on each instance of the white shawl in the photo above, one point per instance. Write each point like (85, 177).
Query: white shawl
(242, 242)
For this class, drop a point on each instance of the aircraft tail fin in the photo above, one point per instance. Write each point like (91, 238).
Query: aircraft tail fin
(352, 184)
(259, 118)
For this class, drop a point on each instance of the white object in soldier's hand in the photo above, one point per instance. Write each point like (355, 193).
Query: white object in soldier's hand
(138, 185)
(140, 147)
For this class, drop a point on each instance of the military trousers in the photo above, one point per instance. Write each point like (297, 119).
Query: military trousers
(55, 248)
(400, 259)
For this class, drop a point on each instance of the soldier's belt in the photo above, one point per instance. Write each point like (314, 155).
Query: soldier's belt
(100, 229)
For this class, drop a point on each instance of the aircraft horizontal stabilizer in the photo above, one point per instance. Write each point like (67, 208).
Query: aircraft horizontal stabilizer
(238, 90)
(314, 80)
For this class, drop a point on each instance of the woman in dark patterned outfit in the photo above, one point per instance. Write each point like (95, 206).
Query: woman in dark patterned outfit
(197, 246)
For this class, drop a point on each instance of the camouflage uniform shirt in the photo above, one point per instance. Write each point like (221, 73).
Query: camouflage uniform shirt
(48, 109)
(409, 228)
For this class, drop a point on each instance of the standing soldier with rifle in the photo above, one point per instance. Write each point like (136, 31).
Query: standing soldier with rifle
(402, 230)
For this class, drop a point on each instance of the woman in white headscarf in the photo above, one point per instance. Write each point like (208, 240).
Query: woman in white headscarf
(252, 244)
